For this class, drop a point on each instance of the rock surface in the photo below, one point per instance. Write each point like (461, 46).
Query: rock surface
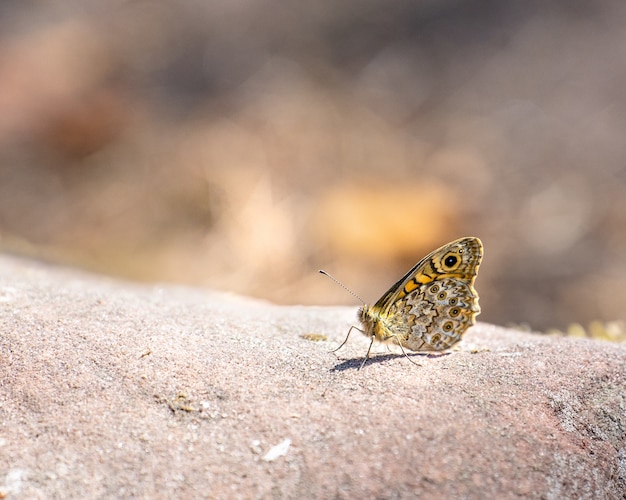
(112, 389)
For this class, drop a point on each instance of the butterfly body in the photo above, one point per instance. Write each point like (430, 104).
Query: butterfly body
(433, 304)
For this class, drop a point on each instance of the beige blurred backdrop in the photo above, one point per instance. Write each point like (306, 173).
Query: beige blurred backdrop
(243, 145)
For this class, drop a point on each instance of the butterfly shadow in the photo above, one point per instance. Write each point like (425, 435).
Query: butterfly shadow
(355, 363)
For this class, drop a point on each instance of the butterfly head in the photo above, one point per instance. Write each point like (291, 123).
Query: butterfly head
(363, 313)
(369, 319)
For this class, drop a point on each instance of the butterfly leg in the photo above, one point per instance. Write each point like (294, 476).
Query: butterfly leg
(367, 356)
(405, 354)
(346, 339)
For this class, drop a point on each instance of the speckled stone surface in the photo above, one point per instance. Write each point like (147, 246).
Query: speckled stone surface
(113, 389)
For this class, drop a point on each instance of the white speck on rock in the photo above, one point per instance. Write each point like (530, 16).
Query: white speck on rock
(255, 447)
(14, 480)
(277, 451)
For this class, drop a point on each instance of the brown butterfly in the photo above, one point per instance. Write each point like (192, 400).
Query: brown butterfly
(431, 306)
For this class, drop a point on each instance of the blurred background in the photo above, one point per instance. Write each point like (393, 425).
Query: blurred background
(243, 145)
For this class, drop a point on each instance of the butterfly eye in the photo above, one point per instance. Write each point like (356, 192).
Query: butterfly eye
(450, 261)
(453, 301)
(434, 289)
(455, 311)
(441, 295)
(447, 326)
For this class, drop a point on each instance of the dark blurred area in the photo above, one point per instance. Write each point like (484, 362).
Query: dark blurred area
(244, 145)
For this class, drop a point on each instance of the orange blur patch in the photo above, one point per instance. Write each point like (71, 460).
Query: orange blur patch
(365, 220)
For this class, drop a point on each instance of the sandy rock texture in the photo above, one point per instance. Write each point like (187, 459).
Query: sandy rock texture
(118, 390)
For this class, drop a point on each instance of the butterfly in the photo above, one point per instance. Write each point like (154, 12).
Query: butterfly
(431, 306)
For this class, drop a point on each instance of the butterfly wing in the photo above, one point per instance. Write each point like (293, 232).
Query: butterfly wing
(433, 304)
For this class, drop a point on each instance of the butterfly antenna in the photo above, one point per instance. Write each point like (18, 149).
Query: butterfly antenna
(342, 285)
